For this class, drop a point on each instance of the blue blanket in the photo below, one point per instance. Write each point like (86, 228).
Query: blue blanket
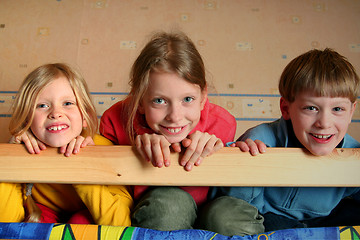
(98, 232)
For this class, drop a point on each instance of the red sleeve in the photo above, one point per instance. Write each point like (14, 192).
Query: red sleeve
(112, 124)
(218, 121)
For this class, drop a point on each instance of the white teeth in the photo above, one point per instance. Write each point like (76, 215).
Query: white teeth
(322, 136)
(174, 130)
(56, 128)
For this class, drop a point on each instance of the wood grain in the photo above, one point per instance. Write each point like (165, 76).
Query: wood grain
(115, 165)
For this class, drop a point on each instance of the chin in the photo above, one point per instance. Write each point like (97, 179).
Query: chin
(321, 152)
(173, 139)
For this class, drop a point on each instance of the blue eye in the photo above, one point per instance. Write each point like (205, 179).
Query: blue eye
(337, 109)
(159, 101)
(311, 108)
(69, 103)
(188, 99)
(42, 105)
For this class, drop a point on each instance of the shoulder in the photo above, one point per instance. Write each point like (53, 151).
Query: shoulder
(115, 109)
(350, 142)
(219, 113)
(218, 121)
(266, 132)
(100, 140)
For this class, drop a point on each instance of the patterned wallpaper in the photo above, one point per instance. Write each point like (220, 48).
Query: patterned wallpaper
(245, 45)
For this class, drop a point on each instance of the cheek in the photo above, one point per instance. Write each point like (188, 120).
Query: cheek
(37, 120)
(153, 116)
(194, 115)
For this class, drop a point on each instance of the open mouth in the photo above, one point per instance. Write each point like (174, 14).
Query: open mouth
(322, 136)
(174, 130)
(57, 128)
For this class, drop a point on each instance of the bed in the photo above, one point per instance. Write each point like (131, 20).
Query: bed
(220, 169)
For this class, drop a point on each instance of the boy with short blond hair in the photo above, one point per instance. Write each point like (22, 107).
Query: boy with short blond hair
(318, 91)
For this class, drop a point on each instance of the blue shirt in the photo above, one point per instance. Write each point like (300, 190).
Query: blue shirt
(299, 203)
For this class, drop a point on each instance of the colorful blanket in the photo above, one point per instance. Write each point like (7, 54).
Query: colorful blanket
(50, 231)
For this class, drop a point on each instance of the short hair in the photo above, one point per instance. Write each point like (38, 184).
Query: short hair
(165, 52)
(324, 72)
(25, 102)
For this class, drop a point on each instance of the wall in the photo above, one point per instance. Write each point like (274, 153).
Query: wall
(245, 45)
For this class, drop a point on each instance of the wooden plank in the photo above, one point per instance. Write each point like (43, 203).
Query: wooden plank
(229, 167)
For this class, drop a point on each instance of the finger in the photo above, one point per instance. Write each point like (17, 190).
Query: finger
(176, 147)
(78, 143)
(218, 145)
(15, 139)
(139, 148)
(211, 145)
(69, 148)
(190, 153)
(157, 152)
(261, 146)
(88, 142)
(41, 145)
(143, 146)
(186, 142)
(30, 142)
(253, 147)
(165, 147)
(243, 146)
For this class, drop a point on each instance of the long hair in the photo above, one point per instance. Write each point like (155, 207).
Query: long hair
(25, 102)
(24, 109)
(325, 73)
(165, 52)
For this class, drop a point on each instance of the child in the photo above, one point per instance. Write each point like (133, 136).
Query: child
(54, 108)
(168, 106)
(318, 98)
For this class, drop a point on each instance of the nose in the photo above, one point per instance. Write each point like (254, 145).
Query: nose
(323, 120)
(55, 113)
(175, 113)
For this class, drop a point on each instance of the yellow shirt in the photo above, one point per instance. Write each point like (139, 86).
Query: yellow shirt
(108, 205)
(11, 202)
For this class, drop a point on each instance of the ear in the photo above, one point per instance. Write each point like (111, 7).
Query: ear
(284, 108)
(141, 108)
(352, 110)
(204, 94)
(84, 125)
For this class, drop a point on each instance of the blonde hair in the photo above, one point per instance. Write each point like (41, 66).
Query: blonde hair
(25, 102)
(324, 72)
(165, 52)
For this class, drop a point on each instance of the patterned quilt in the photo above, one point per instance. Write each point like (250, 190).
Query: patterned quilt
(98, 232)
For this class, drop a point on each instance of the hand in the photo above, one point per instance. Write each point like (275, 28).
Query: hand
(32, 144)
(154, 148)
(254, 147)
(198, 146)
(73, 147)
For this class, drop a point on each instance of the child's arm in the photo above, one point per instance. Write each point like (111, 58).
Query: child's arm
(108, 205)
(11, 203)
(198, 146)
(154, 148)
(254, 147)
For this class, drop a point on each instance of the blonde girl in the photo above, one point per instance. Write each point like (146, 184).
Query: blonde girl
(53, 108)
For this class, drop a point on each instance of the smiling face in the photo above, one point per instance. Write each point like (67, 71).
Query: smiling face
(57, 118)
(172, 106)
(319, 123)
